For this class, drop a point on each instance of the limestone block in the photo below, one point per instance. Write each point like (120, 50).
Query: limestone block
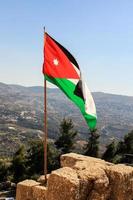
(41, 179)
(39, 192)
(121, 182)
(63, 184)
(25, 190)
(72, 160)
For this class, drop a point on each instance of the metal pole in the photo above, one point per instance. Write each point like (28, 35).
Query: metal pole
(45, 130)
(45, 122)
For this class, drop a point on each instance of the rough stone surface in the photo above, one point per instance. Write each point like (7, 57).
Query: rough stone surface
(81, 178)
(25, 189)
(121, 182)
(66, 184)
(39, 193)
(41, 179)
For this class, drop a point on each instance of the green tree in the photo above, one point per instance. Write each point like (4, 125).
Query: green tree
(4, 170)
(110, 152)
(53, 155)
(18, 166)
(122, 152)
(35, 158)
(128, 141)
(65, 142)
(92, 147)
(125, 149)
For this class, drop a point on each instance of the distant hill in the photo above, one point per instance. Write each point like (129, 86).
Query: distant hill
(21, 115)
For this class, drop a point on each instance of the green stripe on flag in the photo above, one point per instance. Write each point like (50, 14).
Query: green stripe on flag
(68, 88)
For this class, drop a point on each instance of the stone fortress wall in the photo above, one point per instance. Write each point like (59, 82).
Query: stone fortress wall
(81, 178)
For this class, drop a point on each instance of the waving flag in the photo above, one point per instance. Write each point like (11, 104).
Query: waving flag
(61, 69)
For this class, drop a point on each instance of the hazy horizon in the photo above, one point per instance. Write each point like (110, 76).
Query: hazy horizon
(51, 86)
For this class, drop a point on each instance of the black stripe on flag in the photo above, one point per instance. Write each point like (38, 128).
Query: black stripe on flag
(78, 90)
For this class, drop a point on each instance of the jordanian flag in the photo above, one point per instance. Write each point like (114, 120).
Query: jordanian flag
(61, 69)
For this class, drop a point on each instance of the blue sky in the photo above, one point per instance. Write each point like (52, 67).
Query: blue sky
(98, 33)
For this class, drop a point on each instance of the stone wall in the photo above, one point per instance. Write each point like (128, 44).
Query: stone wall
(81, 178)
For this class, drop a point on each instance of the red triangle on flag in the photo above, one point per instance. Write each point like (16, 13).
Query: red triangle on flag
(56, 63)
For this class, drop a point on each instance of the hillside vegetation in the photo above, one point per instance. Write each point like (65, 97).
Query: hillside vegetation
(21, 116)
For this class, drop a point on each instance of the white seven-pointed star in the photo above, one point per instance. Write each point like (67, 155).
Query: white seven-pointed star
(56, 62)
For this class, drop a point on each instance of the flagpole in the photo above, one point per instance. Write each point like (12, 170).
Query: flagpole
(45, 123)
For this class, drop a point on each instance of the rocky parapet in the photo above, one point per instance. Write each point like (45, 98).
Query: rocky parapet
(82, 178)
